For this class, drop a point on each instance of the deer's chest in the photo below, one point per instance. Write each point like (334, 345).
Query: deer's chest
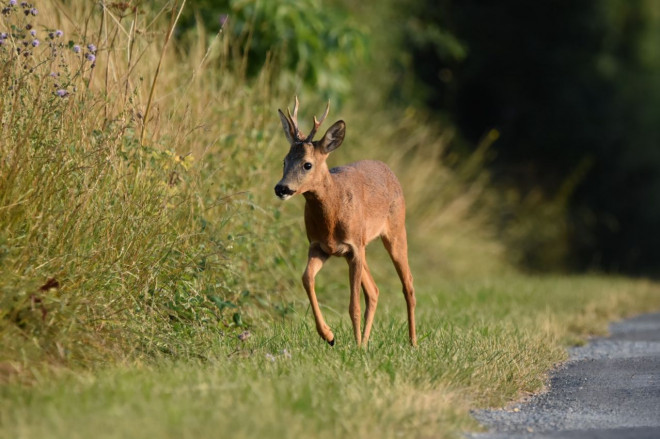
(334, 234)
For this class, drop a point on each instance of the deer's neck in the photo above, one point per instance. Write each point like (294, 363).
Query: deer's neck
(324, 197)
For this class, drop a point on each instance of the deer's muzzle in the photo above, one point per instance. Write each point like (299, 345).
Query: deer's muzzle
(283, 192)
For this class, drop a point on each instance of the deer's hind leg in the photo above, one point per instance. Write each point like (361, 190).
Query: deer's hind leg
(315, 260)
(396, 244)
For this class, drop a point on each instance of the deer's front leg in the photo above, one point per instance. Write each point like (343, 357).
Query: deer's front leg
(315, 259)
(371, 301)
(355, 266)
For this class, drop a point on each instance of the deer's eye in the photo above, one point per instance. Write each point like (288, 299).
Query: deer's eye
(307, 166)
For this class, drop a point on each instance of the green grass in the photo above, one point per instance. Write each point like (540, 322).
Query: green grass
(482, 343)
(161, 249)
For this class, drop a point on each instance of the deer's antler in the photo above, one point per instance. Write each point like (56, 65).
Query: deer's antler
(294, 118)
(317, 124)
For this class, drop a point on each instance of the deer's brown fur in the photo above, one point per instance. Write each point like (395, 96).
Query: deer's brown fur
(346, 208)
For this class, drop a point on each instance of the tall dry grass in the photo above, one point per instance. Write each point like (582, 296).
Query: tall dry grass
(110, 245)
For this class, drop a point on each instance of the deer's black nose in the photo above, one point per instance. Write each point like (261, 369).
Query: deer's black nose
(282, 191)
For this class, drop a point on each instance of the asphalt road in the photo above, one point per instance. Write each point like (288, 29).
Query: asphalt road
(609, 388)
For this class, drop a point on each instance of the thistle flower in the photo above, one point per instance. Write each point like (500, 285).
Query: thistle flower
(35, 43)
(12, 2)
(61, 93)
(91, 48)
(76, 49)
(91, 57)
(33, 33)
(34, 11)
(58, 33)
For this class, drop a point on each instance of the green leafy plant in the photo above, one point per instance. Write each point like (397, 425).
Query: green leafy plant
(316, 42)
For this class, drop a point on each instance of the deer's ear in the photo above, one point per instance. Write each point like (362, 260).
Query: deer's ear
(333, 137)
(289, 130)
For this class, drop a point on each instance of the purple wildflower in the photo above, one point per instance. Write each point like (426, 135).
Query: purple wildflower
(35, 43)
(12, 2)
(223, 20)
(91, 47)
(3, 35)
(76, 49)
(33, 33)
(34, 11)
(61, 92)
(58, 33)
(91, 57)
(24, 4)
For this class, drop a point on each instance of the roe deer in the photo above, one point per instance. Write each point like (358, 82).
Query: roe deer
(346, 208)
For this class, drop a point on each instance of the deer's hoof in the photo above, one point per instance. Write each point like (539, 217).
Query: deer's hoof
(331, 342)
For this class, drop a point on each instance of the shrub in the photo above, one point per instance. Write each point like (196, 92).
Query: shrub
(318, 43)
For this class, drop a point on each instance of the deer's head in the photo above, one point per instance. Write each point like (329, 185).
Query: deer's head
(304, 165)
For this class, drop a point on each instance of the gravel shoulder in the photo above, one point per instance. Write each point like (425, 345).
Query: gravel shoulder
(609, 388)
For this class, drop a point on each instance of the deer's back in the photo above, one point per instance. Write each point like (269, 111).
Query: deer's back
(375, 178)
(372, 192)
(366, 201)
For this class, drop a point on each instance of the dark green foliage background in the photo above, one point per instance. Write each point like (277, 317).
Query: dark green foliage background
(570, 86)
(573, 89)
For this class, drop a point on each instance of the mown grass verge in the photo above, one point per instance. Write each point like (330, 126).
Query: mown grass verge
(482, 343)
